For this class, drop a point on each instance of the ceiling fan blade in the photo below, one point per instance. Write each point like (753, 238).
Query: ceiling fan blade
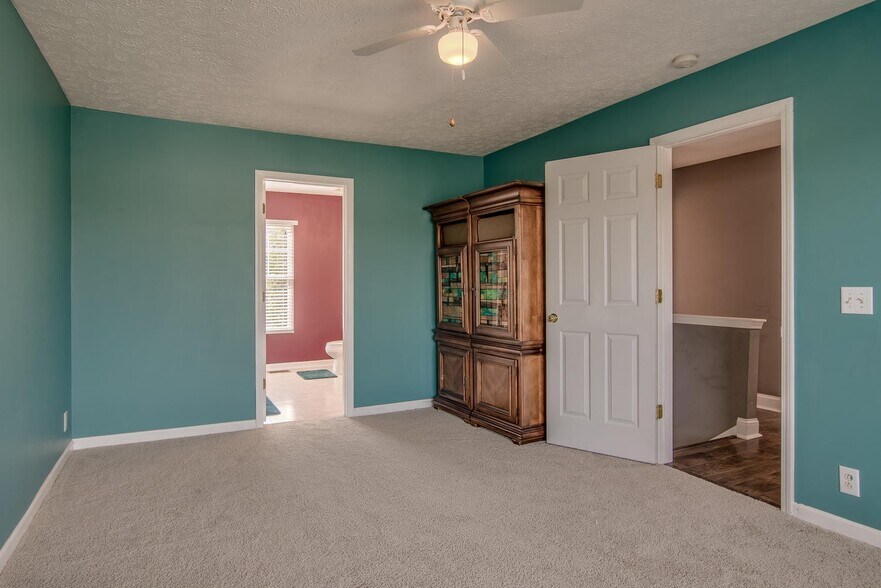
(394, 41)
(490, 61)
(511, 9)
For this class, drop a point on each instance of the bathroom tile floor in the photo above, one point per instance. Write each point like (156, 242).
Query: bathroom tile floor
(748, 467)
(304, 400)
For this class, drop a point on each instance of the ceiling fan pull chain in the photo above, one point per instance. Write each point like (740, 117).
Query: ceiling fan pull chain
(463, 54)
(452, 95)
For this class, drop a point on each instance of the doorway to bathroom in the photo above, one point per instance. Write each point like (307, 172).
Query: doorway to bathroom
(303, 241)
(726, 275)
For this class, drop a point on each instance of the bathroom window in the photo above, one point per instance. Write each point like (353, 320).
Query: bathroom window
(280, 276)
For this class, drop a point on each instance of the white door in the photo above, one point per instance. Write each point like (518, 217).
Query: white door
(602, 278)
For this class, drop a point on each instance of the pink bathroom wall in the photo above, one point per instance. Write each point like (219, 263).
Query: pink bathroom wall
(318, 281)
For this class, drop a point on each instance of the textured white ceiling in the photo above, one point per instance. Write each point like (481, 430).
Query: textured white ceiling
(287, 65)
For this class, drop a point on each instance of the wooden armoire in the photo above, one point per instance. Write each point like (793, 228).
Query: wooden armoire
(490, 309)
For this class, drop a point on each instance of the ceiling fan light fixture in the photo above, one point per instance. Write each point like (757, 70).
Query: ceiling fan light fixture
(457, 47)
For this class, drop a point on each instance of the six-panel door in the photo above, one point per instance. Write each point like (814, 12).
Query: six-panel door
(602, 261)
(454, 367)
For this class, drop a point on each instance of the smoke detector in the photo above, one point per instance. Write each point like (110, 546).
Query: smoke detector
(685, 61)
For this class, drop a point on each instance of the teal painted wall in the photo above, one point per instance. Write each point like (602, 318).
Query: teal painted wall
(34, 268)
(163, 266)
(833, 71)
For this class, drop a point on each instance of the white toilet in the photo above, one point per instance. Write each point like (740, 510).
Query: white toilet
(335, 350)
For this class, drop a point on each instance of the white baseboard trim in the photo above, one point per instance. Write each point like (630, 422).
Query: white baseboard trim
(299, 365)
(768, 402)
(23, 524)
(837, 524)
(394, 407)
(160, 434)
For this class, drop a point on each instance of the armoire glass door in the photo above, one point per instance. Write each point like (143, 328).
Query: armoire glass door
(452, 289)
(494, 300)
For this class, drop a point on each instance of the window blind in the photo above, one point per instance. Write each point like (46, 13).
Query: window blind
(279, 276)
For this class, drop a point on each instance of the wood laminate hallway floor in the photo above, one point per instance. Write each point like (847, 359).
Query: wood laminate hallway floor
(750, 467)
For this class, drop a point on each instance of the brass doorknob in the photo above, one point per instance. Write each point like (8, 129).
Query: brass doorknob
(552, 318)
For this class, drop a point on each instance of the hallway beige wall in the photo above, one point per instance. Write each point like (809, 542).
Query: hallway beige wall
(726, 246)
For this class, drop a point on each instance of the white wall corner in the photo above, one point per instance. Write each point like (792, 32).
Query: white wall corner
(23, 524)
(394, 407)
(161, 434)
(837, 524)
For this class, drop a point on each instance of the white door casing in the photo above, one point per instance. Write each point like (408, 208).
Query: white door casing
(602, 276)
(319, 184)
(783, 111)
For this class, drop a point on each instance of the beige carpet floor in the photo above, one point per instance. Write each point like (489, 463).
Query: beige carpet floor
(408, 499)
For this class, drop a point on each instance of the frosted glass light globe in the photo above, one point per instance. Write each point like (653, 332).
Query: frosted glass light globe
(457, 48)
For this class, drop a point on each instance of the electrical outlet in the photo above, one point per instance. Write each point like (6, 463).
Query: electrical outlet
(856, 300)
(66, 419)
(849, 480)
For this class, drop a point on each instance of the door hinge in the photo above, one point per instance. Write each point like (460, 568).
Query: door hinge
(264, 383)
(264, 208)
(659, 412)
(659, 181)
(659, 296)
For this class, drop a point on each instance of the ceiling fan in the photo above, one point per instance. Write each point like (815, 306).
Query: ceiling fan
(460, 46)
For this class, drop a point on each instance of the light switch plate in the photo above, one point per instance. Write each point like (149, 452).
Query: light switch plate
(856, 300)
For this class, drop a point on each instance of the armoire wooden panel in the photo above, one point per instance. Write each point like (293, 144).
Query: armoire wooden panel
(490, 309)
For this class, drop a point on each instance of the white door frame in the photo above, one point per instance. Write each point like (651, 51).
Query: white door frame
(348, 189)
(782, 111)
